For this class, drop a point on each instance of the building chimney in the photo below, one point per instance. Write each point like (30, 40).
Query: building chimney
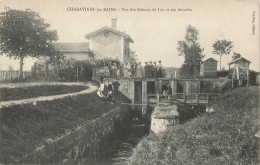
(114, 23)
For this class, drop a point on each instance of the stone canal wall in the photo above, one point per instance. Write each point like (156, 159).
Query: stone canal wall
(163, 117)
(93, 139)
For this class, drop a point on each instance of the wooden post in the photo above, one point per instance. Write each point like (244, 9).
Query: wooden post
(247, 76)
(197, 98)
(77, 74)
(158, 99)
(238, 74)
(208, 97)
(185, 98)
(232, 84)
(171, 99)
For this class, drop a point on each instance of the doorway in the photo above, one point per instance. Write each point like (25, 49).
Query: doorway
(138, 92)
(151, 87)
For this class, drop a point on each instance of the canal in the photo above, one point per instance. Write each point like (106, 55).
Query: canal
(137, 129)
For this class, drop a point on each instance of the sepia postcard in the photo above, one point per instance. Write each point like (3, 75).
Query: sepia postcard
(129, 82)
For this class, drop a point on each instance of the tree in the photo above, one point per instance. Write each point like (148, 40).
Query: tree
(221, 47)
(192, 52)
(236, 56)
(24, 33)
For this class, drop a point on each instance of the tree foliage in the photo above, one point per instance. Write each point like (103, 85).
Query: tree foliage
(192, 52)
(221, 47)
(106, 62)
(236, 56)
(24, 33)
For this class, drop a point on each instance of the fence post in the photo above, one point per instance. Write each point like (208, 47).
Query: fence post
(197, 98)
(185, 98)
(208, 97)
(77, 74)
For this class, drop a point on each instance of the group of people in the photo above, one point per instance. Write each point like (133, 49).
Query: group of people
(112, 87)
(167, 92)
(150, 70)
(113, 70)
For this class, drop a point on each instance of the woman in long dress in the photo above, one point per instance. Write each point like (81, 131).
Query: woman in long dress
(126, 70)
(139, 70)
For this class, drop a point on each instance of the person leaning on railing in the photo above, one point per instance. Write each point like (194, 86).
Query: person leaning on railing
(114, 70)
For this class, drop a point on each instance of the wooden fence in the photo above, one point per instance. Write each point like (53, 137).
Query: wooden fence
(12, 74)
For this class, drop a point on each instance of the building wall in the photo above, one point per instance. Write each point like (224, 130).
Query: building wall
(107, 46)
(77, 56)
(208, 69)
(242, 65)
(126, 50)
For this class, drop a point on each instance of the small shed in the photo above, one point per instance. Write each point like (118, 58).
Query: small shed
(240, 68)
(208, 68)
(241, 64)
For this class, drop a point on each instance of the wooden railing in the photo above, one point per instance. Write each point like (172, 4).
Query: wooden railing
(182, 98)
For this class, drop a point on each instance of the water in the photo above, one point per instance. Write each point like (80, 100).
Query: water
(137, 130)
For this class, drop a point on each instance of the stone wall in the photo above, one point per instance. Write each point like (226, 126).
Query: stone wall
(163, 117)
(90, 139)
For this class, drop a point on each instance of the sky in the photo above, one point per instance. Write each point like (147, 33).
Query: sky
(155, 33)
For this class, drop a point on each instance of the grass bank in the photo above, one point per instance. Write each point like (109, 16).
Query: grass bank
(18, 93)
(28, 126)
(226, 136)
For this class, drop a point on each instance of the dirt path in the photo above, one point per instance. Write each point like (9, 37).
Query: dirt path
(91, 88)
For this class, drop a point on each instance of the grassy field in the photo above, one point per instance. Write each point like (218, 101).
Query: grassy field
(25, 127)
(18, 93)
(226, 136)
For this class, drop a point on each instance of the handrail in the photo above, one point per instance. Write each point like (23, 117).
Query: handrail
(185, 97)
(187, 94)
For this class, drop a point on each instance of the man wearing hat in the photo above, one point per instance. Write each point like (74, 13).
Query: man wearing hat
(159, 67)
(155, 74)
(151, 69)
(146, 67)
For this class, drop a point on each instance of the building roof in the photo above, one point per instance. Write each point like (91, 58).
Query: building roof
(126, 36)
(210, 60)
(241, 58)
(72, 46)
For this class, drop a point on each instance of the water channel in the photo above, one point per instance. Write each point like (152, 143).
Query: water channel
(138, 128)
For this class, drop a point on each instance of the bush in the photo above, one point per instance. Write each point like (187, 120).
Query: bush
(222, 73)
(61, 70)
(252, 77)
